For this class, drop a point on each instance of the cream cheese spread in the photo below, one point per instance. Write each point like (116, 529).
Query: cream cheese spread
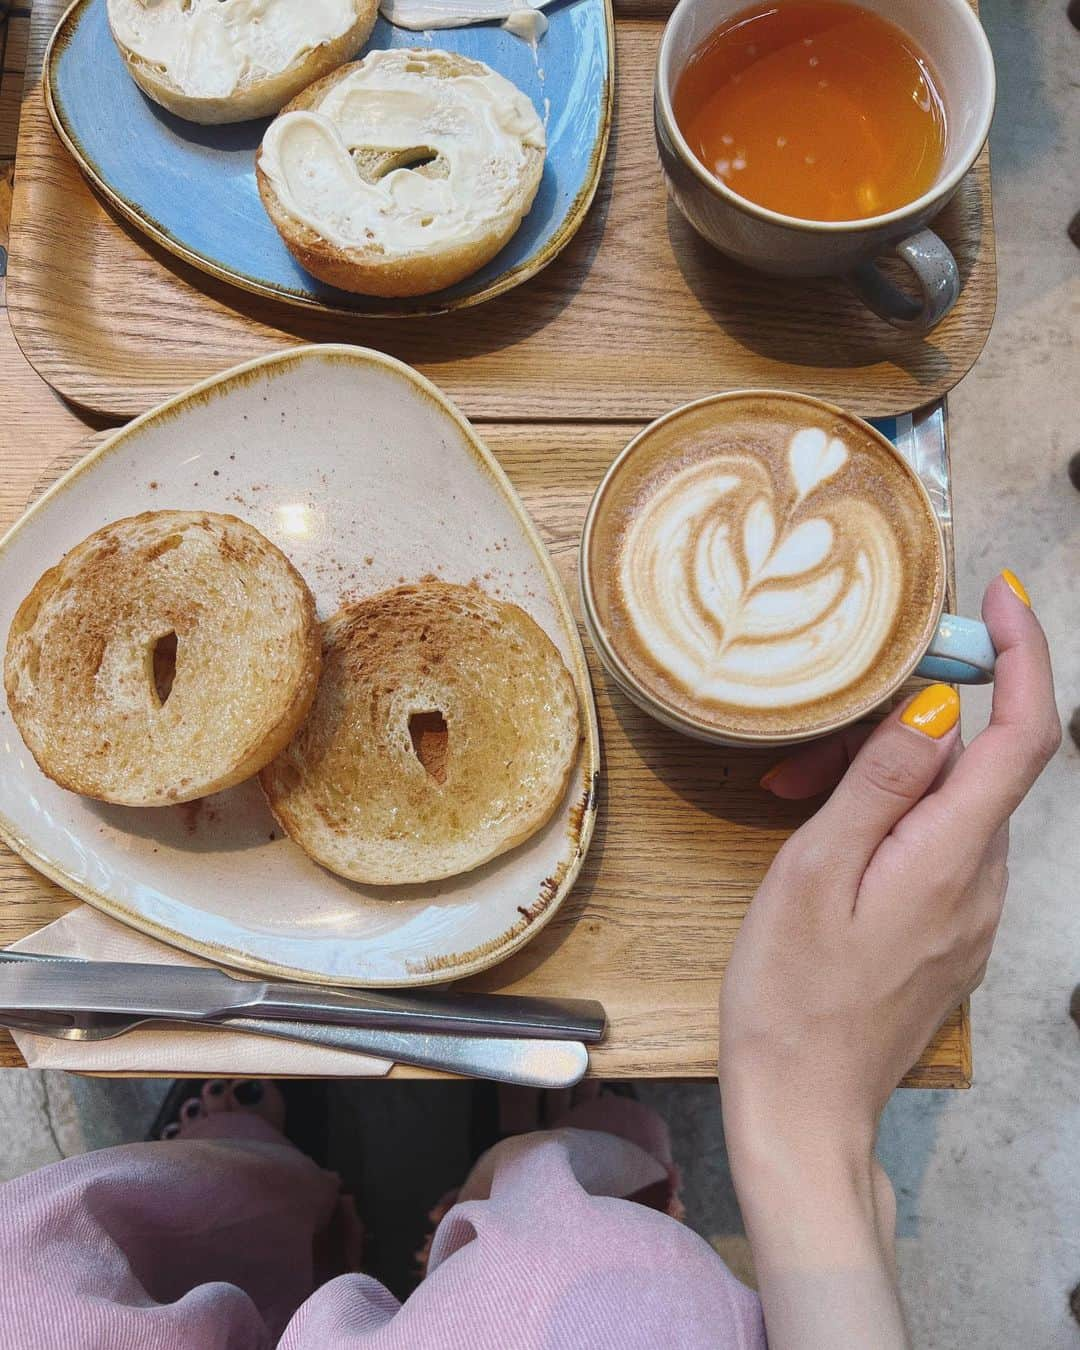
(527, 23)
(210, 48)
(470, 132)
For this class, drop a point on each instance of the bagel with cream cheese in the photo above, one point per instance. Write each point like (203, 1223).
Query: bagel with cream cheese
(444, 732)
(214, 61)
(402, 173)
(167, 656)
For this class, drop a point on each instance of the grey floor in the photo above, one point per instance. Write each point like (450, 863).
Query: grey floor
(988, 1181)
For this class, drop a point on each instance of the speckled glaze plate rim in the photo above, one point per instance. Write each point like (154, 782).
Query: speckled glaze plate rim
(586, 772)
(424, 306)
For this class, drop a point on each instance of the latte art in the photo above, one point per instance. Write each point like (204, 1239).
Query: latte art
(761, 566)
(748, 592)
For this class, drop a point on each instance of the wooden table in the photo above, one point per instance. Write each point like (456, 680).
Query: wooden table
(683, 836)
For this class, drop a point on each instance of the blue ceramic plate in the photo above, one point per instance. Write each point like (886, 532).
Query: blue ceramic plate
(192, 188)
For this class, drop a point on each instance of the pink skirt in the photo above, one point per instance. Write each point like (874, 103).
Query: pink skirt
(210, 1242)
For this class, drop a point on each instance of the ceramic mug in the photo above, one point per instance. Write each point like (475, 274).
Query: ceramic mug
(952, 38)
(959, 650)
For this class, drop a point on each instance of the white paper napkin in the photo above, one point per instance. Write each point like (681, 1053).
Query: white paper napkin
(86, 932)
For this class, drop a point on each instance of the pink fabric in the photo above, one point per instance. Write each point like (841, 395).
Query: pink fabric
(206, 1244)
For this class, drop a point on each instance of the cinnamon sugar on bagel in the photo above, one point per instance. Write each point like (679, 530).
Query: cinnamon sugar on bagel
(444, 732)
(402, 173)
(215, 61)
(167, 656)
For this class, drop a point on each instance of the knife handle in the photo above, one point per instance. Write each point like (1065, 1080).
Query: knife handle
(526, 1063)
(434, 1011)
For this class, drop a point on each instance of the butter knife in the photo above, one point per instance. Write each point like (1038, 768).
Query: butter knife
(32, 982)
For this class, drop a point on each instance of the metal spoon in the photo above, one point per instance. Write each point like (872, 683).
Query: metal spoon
(527, 1063)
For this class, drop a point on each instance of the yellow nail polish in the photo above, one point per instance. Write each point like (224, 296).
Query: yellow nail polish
(933, 711)
(766, 778)
(1016, 586)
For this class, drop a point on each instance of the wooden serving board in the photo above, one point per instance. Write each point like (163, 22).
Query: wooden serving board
(648, 928)
(637, 315)
(684, 834)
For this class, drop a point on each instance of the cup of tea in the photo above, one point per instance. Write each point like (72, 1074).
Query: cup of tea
(810, 137)
(763, 568)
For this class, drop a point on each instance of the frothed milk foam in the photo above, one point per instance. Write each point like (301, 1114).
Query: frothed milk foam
(765, 565)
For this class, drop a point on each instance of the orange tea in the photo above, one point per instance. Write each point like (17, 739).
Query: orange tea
(814, 108)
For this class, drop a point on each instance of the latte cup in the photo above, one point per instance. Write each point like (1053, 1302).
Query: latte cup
(952, 38)
(763, 568)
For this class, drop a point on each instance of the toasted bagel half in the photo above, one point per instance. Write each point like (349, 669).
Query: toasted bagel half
(443, 733)
(167, 656)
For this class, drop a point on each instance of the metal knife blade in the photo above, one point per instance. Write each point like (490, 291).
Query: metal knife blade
(121, 987)
(32, 982)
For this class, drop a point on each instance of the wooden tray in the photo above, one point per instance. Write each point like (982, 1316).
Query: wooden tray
(649, 926)
(637, 314)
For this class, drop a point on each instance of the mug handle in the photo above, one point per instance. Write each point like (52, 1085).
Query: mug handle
(960, 652)
(935, 270)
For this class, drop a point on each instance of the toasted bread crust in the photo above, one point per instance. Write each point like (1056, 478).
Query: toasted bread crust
(255, 98)
(79, 665)
(368, 271)
(372, 790)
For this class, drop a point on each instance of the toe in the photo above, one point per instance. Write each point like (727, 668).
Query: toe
(215, 1096)
(190, 1111)
(246, 1094)
(260, 1097)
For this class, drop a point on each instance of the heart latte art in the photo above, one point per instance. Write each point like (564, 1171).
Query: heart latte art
(764, 564)
(750, 592)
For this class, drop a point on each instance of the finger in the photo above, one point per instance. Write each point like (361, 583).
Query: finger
(817, 767)
(897, 765)
(995, 772)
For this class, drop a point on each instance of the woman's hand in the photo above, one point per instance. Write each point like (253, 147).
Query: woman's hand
(876, 919)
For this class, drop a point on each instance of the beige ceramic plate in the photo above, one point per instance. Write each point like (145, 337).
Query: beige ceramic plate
(365, 474)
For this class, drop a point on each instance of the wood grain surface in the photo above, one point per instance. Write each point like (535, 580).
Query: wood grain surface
(684, 834)
(683, 837)
(637, 315)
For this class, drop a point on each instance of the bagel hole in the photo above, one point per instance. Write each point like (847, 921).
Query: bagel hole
(419, 157)
(164, 666)
(430, 742)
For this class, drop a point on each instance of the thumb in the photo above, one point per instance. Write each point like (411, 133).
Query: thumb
(894, 769)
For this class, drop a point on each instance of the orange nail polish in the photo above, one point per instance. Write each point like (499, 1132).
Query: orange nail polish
(766, 778)
(933, 711)
(1016, 586)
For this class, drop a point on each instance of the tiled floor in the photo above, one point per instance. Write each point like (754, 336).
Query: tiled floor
(989, 1181)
